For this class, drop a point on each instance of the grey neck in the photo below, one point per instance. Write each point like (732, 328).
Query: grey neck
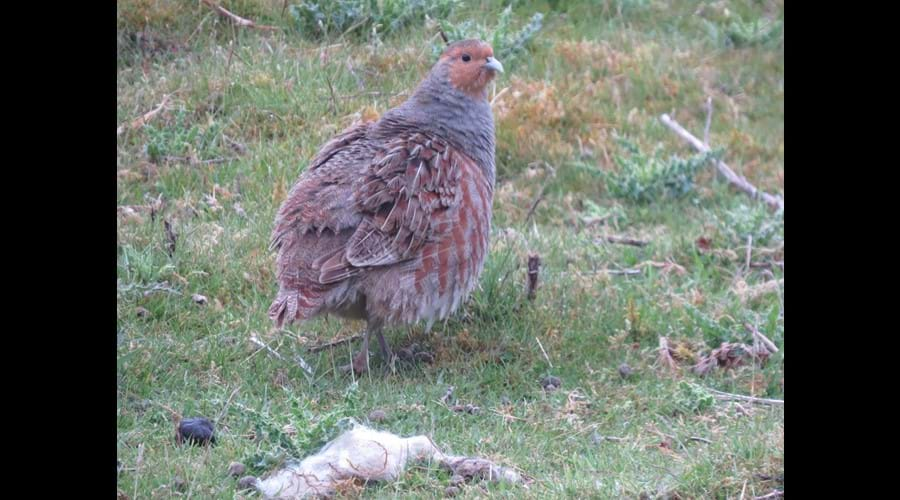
(439, 108)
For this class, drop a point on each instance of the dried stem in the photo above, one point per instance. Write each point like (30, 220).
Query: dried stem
(621, 240)
(544, 352)
(260, 343)
(738, 181)
(497, 96)
(333, 343)
(146, 117)
(331, 90)
(750, 399)
(236, 19)
(551, 173)
(770, 346)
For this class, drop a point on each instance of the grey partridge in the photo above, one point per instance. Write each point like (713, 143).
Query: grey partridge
(391, 220)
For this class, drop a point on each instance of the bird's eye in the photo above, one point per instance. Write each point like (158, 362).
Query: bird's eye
(466, 58)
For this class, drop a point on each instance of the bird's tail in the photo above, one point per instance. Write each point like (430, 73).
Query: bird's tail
(292, 305)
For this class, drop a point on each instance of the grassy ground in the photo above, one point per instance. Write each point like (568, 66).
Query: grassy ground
(248, 109)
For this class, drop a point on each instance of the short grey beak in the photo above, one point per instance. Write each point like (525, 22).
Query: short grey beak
(494, 65)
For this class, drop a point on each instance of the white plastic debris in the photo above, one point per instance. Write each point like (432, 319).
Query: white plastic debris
(370, 455)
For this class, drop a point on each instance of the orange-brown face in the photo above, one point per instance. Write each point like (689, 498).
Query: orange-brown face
(472, 66)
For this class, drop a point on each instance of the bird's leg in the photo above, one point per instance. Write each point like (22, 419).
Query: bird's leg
(360, 362)
(385, 348)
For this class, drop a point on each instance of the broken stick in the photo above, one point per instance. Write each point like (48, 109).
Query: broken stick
(551, 174)
(757, 335)
(621, 240)
(146, 117)
(738, 181)
(333, 343)
(236, 19)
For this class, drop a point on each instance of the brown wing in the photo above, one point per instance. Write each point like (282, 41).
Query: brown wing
(319, 199)
(350, 135)
(409, 196)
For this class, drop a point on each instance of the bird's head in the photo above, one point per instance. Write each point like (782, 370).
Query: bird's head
(470, 65)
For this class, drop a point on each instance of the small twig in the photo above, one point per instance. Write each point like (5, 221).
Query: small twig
(508, 416)
(757, 335)
(743, 489)
(230, 53)
(667, 266)
(161, 289)
(227, 404)
(498, 95)
(306, 368)
(621, 240)
(176, 417)
(283, 8)
(726, 396)
(550, 175)
(534, 269)
(543, 351)
(238, 20)
(773, 494)
(197, 29)
(331, 90)
(738, 181)
(709, 110)
(333, 343)
(625, 272)
(262, 344)
(534, 205)
(353, 27)
(701, 439)
(146, 117)
(443, 36)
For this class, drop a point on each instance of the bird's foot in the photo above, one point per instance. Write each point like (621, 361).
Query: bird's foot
(359, 364)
